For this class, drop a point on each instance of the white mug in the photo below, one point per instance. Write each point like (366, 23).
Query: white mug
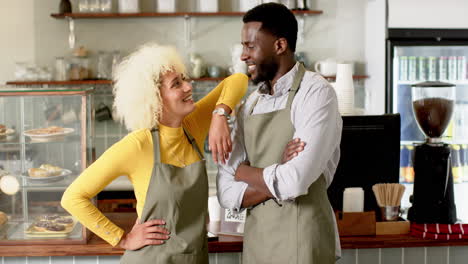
(326, 67)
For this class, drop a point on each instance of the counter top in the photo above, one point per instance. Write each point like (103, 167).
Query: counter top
(98, 247)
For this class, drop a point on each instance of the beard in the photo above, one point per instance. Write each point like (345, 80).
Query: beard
(266, 71)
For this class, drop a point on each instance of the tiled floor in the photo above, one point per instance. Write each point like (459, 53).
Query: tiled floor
(420, 255)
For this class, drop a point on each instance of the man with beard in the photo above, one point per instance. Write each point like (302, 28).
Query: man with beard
(283, 185)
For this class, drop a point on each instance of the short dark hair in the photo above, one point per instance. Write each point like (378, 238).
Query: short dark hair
(277, 19)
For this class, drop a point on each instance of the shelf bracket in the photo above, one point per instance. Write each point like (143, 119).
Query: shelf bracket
(71, 35)
(187, 31)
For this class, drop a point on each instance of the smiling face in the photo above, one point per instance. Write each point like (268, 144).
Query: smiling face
(176, 94)
(259, 52)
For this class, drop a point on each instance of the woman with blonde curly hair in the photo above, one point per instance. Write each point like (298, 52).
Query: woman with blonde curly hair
(162, 157)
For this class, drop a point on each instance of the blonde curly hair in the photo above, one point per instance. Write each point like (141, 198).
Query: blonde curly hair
(137, 101)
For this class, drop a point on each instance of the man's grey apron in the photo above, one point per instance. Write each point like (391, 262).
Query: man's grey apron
(300, 231)
(179, 196)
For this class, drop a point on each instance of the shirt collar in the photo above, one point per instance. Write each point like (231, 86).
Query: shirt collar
(283, 84)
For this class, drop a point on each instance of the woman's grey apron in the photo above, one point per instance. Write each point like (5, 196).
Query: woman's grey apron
(300, 231)
(179, 196)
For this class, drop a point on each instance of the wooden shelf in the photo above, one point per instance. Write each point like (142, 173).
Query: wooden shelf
(153, 14)
(85, 82)
(355, 77)
(94, 82)
(109, 82)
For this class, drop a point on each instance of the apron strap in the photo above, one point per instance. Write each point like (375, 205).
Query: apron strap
(295, 86)
(156, 145)
(194, 143)
(253, 105)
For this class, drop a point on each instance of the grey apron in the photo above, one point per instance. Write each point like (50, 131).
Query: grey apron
(179, 196)
(300, 231)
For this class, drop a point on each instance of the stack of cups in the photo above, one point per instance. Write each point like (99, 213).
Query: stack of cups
(344, 88)
(353, 200)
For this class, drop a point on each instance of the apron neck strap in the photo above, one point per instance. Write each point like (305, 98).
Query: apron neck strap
(193, 142)
(296, 83)
(156, 144)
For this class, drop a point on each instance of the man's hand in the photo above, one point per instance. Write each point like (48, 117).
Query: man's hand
(219, 139)
(238, 175)
(292, 150)
(147, 233)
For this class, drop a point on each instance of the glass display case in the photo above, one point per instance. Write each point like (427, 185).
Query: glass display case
(46, 139)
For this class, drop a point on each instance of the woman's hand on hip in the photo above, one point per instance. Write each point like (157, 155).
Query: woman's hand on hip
(148, 233)
(219, 139)
(292, 150)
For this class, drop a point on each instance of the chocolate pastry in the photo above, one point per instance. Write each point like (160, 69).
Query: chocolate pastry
(55, 227)
(64, 220)
(42, 224)
(49, 217)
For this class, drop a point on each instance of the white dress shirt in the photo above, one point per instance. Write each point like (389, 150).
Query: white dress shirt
(317, 122)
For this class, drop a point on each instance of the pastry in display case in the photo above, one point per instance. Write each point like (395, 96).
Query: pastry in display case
(46, 137)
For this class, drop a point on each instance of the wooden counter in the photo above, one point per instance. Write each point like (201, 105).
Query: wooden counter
(98, 247)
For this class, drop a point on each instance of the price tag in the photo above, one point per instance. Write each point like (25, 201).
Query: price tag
(231, 216)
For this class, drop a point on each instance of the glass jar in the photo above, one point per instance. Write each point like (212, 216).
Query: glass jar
(291, 4)
(31, 74)
(44, 73)
(166, 6)
(116, 58)
(79, 68)
(105, 6)
(20, 71)
(129, 6)
(94, 6)
(103, 66)
(60, 69)
(246, 5)
(83, 6)
(208, 6)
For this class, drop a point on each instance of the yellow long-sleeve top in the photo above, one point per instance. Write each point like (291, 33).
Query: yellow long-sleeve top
(133, 156)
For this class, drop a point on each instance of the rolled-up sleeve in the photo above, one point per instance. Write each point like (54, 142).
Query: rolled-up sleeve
(318, 123)
(231, 192)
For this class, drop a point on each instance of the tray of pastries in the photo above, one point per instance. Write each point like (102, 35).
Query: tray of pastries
(6, 133)
(46, 173)
(51, 225)
(48, 133)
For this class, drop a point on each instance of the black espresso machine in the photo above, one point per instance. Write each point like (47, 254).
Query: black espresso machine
(433, 198)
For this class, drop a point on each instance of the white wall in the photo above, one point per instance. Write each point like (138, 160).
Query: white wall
(339, 32)
(375, 28)
(32, 35)
(428, 14)
(17, 35)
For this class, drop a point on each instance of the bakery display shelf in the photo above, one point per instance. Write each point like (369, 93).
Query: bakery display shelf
(51, 143)
(57, 186)
(16, 142)
(16, 231)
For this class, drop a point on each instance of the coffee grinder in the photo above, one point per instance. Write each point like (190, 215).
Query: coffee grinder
(433, 198)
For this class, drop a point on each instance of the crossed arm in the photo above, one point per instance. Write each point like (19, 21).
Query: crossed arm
(258, 191)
